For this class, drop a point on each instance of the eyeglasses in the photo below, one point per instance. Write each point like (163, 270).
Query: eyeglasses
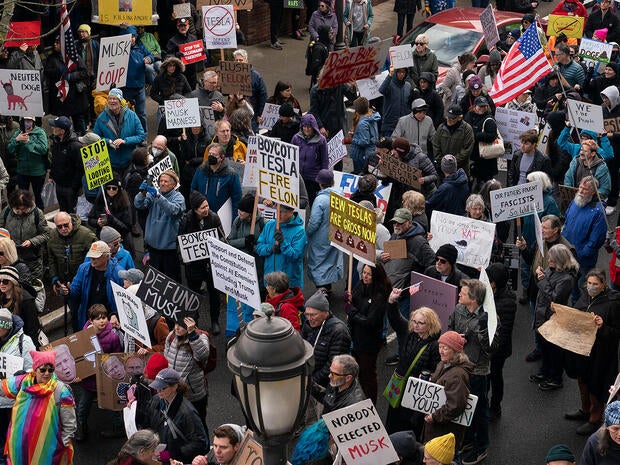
(443, 261)
(62, 226)
(43, 370)
(214, 154)
(115, 243)
(111, 188)
(418, 323)
(6, 282)
(337, 375)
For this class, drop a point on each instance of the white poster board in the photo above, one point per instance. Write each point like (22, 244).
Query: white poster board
(515, 201)
(113, 61)
(489, 26)
(512, 123)
(595, 50)
(278, 171)
(234, 272)
(360, 436)
(193, 246)
(271, 114)
(584, 115)
(369, 87)
(182, 113)
(129, 419)
(426, 397)
(489, 305)
(348, 182)
(131, 314)
(226, 216)
(401, 56)
(22, 93)
(336, 150)
(250, 174)
(158, 168)
(543, 139)
(473, 239)
(9, 365)
(219, 26)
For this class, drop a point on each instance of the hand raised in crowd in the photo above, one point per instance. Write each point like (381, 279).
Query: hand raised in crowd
(394, 295)
(200, 460)
(540, 273)
(521, 243)
(114, 322)
(190, 324)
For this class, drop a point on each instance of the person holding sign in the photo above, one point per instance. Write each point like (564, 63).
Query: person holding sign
(589, 163)
(181, 37)
(134, 90)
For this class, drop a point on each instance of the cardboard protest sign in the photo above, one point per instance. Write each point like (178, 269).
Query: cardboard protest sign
(435, 294)
(131, 314)
(426, 397)
(193, 52)
(513, 202)
(114, 372)
(113, 61)
(236, 78)
(182, 10)
(193, 246)
(22, 93)
(543, 138)
(278, 171)
(397, 248)
(351, 64)
(489, 305)
(9, 364)
(360, 436)
(271, 114)
(585, 115)
(401, 56)
(158, 168)
(567, 194)
(611, 124)
(182, 113)
(237, 4)
(570, 329)
(511, 124)
(473, 239)
(250, 451)
(571, 26)
(369, 87)
(21, 32)
(400, 171)
(336, 150)
(595, 50)
(97, 165)
(167, 296)
(75, 355)
(250, 173)
(489, 26)
(125, 11)
(352, 228)
(348, 182)
(234, 272)
(219, 27)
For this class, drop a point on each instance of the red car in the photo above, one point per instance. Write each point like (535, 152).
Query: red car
(455, 31)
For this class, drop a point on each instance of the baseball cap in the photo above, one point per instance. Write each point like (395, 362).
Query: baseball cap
(401, 215)
(61, 122)
(133, 274)
(481, 102)
(454, 111)
(97, 249)
(166, 377)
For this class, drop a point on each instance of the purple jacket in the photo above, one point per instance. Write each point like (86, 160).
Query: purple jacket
(110, 344)
(312, 151)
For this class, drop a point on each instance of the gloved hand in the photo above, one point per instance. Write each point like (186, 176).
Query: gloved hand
(250, 241)
(275, 248)
(151, 190)
(142, 186)
(278, 236)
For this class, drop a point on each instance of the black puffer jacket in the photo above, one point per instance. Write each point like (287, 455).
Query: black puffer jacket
(481, 168)
(66, 168)
(332, 399)
(366, 314)
(334, 339)
(166, 85)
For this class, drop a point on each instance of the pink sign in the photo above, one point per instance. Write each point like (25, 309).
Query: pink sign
(434, 294)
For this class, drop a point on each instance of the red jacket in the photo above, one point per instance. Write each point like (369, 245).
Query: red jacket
(288, 305)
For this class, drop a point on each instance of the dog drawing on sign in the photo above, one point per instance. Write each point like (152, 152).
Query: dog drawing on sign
(12, 99)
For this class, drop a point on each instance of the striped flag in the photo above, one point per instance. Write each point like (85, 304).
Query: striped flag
(68, 50)
(414, 288)
(523, 67)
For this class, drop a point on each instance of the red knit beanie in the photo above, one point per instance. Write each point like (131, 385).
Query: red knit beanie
(453, 340)
(156, 363)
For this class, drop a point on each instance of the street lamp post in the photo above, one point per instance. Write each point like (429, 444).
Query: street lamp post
(272, 367)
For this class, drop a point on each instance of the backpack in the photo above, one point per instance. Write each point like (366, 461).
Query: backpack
(316, 54)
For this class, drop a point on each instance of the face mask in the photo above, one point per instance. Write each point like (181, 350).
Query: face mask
(593, 291)
(212, 160)
(155, 152)
(149, 158)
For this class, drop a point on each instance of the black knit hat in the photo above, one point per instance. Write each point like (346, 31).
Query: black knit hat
(196, 199)
(246, 204)
(449, 252)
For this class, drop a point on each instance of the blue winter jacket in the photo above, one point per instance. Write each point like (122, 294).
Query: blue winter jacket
(366, 132)
(312, 151)
(451, 195)
(162, 222)
(290, 259)
(129, 129)
(136, 68)
(325, 265)
(586, 229)
(218, 186)
(600, 172)
(565, 142)
(395, 101)
(80, 290)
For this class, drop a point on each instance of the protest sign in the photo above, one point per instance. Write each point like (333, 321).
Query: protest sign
(513, 202)
(113, 375)
(22, 93)
(226, 214)
(193, 246)
(237, 4)
(489, 305)
(473, 239)
(397, 248)
(614, 389)
(250, 451)
(21, 32)
(167, 296)
(125, 11)
(611, 124)
(158, 168)
(97, 166)
(270, 213)
(9, 364)
(401, 56)
(75, 355)
(271, 114)
(219, 27)
(129, 419)
(595, 50)
(348, 182)
(182, 10)
(400, 171)
(234, 272)
(250, 173)
(131, 314)
(360, 436)
(435, 294)
(426, 397)
(511, 124)
(352, 64)
(489, 26)
(543, 138)
(236, 78)
(352, 228)
(584, 115)
(278, 171)
(538, 232)
(207, 120)
(571, 26)
(336, 150)
(113, 61)
(369, 87)
(567, 194)
(193, 52)
(571, 329)
(182, 113)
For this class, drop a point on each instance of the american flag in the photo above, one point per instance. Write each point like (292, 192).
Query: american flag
(523, 67)
(414, 288)
(68, 50)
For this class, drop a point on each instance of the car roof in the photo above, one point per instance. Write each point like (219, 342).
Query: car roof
(469, 18)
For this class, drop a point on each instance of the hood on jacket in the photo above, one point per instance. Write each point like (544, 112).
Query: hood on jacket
(428, 77)
(556, 120)
(296, 221)
(458, 178)
(613, 95)
(309, 120)
(416, 229)
(494, 57)
(172, 59)
(18, 324)
(591, 134)
(133, 30)
(291, 296)
(323, 32)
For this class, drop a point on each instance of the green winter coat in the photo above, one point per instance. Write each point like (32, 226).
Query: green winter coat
(31, 156)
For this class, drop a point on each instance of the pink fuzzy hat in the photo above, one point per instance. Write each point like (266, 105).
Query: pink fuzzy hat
(43, 358)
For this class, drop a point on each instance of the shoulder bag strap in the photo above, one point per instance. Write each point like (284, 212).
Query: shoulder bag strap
(415, 360)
